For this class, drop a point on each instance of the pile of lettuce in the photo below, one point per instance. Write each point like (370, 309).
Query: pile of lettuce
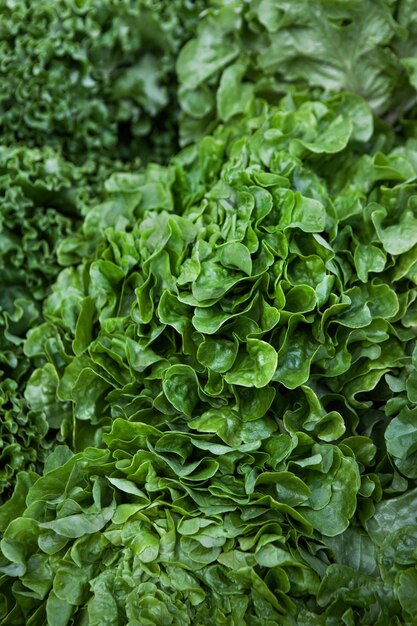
(208, 361)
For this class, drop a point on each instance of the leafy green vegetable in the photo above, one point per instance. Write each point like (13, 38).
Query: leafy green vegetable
(97, 77)
(208, 385)
(266, 47)
(233, 370)
(40, 207)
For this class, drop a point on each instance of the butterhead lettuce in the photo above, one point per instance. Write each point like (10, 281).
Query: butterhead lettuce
(230, 354)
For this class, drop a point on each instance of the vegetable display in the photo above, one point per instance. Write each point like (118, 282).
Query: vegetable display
(208, 392)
